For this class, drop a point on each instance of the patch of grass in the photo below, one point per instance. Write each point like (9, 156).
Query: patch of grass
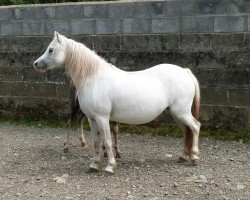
(241, 135)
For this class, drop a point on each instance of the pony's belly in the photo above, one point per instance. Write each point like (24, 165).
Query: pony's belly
(136, 116)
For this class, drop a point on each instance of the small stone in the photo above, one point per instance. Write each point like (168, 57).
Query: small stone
(142, 160)
(69, 197)
(186, 193)
(63, 158)
(161, 185)
(128, 192)
(39, 125)
(202, 179)
(15, 154)
(57, 137)
(168, 155)
(231, 159)
(239, 187)
(18, 194)
(176, 184)
(175, 193)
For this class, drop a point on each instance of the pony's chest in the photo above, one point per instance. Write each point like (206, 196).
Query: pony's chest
(93, 102)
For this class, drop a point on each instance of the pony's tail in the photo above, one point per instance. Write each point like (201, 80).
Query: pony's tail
(195, 111)
(196, 100)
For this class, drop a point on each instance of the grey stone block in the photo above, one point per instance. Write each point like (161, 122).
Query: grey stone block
(69, 12)
(195, 24)
(8, 44)
(11, 29)
(212, 6)
(106, 43)
(229, 24)
(119, 10)
(237, 6)
(26, 14)
(147, 9)
(95, 11)
(164, 42)
(225, 43)
(166, 25)
(59, 26)
(108, 26)
(195, 42)
(248, 23)
(136, 26)
(239, 96)
(86, 26)
(45, 13)
(33, 28)
(238, 59)
(220, 116)
(135, 43)
(210, 60)
(216, 78)
(4, 14)
(180, 7)
(214, 95)
(247, 9)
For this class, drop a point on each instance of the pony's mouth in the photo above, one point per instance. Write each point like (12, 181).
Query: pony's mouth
(40, 70)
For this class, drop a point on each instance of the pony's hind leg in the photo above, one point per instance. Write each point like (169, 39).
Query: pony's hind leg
(80, 130)
(66, 143)
(115, 130)
(186, 152)
(191, 131)
(96, 162)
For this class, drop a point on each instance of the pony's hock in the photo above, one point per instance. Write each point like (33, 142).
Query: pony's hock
(106, 93)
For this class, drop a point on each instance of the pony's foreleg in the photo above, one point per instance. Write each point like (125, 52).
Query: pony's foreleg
(103, 125)
(115, 130)
(66, 141)
(96, 162)
(80, 130)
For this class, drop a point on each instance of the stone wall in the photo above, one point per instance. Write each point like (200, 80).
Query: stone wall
(211, 37)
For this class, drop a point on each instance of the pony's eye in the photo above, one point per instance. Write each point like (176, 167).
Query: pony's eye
(51, 50)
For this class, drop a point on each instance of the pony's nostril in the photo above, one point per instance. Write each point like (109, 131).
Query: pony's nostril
(35, 64)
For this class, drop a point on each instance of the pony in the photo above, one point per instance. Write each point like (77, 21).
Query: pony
(75, 111)
(107, 93)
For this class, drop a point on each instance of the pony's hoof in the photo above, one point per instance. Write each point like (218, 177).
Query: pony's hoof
(92, 170)
(195, 158)
(105, 155)
(195, 162)
(182, 159)
(66, 150)
(109, 170)
(86, 148)
(118, 155)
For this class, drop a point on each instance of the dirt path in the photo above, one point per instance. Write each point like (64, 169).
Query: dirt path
(32, 160)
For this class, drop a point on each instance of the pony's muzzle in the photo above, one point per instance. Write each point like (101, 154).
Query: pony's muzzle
(41, 68)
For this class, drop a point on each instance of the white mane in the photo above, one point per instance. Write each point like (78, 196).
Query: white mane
(82, 63)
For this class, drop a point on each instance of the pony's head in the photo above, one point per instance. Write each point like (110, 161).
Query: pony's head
(54, 56)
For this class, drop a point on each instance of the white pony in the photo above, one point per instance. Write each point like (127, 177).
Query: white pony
(107, 93)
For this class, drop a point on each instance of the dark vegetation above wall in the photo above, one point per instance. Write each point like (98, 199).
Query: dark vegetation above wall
(18, 2)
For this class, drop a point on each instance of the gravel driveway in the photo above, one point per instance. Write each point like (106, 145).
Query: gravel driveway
(34, 166)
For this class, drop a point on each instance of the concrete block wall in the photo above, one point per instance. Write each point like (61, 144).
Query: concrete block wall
(211, 37)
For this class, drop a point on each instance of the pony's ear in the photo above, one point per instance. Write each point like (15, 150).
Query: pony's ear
(57, 36)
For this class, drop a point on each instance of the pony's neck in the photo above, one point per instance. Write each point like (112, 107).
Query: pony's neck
(81, 62)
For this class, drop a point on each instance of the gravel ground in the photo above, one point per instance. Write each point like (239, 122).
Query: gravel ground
(34, 166)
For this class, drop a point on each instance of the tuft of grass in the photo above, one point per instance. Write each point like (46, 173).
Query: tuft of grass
(241, 135)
